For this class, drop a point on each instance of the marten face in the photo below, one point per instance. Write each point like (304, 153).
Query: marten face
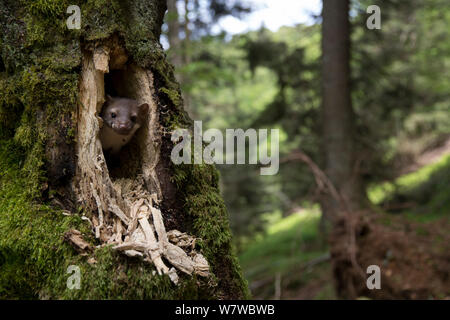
(123, 114)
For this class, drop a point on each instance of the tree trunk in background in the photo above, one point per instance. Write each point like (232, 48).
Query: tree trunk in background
(186, 51)
(52, 86)
(187, 34)
(173, 23)
(178, 53)
(338, 119)
(339, 148)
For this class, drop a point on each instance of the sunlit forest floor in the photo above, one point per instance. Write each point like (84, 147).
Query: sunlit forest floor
(291, 261)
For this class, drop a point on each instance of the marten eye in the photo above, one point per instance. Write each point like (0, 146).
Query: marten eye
(133, 118)
(113, 115)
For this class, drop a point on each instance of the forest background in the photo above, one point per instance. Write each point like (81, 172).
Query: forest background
(272, 79)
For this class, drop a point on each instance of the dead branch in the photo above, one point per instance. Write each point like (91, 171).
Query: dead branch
(325, 185)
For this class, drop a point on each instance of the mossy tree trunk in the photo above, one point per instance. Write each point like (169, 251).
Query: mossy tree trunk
(54, 176)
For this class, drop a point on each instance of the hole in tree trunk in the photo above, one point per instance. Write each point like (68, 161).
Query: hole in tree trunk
(124, 200)
(127, 162)
(103, 180)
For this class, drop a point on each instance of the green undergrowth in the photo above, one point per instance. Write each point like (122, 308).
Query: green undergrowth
(284, 250)
(290, 242)
(425, 189)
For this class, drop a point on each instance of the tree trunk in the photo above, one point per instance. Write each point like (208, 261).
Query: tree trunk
(339, 146)
(338, 118)
(59, 190)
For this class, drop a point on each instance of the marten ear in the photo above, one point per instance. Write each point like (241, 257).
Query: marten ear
(109, 98)
(143, 108)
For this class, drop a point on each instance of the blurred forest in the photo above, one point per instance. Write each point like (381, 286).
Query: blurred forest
(399, 137)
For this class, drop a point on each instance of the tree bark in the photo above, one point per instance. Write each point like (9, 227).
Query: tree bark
(338, 118)
(340, 149)
(52, 86)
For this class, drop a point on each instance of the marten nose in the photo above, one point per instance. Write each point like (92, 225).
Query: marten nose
(123, 126)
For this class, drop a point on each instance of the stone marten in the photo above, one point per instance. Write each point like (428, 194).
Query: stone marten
(121, 118)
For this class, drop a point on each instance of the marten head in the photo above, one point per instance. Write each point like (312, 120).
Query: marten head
(123, 114)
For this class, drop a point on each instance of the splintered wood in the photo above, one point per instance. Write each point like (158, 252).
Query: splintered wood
(146, 237)
(126, 213)
(75, 238)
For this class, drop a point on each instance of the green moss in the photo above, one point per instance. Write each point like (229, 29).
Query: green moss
(173, 95)
(114, 277)
(31, 242)
(207, 210)
(51, 8)
(100, 18)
